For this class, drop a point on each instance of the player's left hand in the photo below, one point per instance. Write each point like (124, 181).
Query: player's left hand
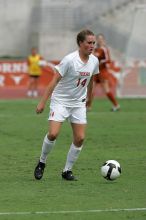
(88, 104)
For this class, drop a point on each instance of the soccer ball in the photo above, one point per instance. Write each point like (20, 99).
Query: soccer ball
(111, 170)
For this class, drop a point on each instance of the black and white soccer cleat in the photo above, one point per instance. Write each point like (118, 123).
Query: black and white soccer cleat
(39, 170)
(68, 175)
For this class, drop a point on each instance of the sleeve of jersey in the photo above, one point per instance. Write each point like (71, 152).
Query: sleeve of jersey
(96, 69)
(63, 66)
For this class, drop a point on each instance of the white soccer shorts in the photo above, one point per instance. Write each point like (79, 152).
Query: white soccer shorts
(60, 113)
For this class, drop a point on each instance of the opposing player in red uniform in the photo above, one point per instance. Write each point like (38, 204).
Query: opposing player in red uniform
(102, 52)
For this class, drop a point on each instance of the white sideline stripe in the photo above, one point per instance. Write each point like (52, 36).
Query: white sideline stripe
(75, 211)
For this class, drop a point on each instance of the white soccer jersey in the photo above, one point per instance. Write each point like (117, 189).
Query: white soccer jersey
(71, 91)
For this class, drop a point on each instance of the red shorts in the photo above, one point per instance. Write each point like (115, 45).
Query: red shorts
(104, 75)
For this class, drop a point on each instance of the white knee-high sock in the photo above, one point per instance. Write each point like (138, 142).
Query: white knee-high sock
(72, 156)
(46, 148)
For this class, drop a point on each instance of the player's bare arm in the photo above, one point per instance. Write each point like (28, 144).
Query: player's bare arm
(48, 92)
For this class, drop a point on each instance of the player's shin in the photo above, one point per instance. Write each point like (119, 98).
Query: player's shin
(46, 148)
(72, 156)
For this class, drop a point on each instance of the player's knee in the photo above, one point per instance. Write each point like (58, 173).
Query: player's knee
(52, 136)
(79, 140)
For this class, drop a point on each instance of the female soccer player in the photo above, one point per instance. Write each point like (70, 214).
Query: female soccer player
(103, 54)
(70, 91)
(34, 71)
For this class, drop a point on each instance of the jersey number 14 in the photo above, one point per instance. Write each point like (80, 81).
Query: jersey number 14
(81, 82)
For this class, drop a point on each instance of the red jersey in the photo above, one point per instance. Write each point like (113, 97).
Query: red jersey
(103, 55)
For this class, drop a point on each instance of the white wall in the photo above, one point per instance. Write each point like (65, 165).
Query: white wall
(15, 20)
(51, 25)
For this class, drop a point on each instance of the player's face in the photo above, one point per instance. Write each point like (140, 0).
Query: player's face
(87, 46)
(34, 51)
(100, 40)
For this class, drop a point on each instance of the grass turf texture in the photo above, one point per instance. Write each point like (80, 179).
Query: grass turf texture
(110, 135)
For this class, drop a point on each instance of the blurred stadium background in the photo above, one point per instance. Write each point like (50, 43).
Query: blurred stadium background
(52, 27)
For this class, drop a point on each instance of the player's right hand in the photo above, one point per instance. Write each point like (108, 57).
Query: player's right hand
(40, 108)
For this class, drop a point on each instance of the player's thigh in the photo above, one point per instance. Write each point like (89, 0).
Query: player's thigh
(54, 129)
(105, 86)
(78, 129)
(78, 133)
(78, 122)
(36, 79)
(31, 79)
(57, 116)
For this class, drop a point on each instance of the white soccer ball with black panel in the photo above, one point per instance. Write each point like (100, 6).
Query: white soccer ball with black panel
(111, 170)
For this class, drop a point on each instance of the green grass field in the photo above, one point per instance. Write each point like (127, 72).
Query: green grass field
(119, 135)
